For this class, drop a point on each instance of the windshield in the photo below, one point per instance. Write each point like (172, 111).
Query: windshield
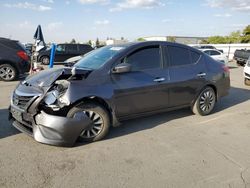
(97, 58)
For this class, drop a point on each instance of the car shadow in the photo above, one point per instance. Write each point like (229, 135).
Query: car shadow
(6, 129)
(235, 97)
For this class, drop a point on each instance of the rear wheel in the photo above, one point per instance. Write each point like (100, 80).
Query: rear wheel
(205, 102)
(8, 72)
(45, 60)
(100, 121)
(247, 82)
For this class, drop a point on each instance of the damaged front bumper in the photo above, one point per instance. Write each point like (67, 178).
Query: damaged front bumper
(49, 129)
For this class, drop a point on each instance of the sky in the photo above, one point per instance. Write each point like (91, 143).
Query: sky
(83, 20)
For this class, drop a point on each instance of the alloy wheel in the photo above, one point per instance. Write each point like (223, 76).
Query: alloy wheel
(7, 73)
(207, 101)
(96, 126)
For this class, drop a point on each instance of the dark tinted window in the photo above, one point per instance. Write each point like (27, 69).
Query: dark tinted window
(179, 56)
(195, 56)
(71, 48)
(84, 48)
(214, 52)
(145, 58)
(207, 52)
(60, 48)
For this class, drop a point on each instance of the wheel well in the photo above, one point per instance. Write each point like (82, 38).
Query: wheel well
(214, 88)
(96, 100)
(9, 62)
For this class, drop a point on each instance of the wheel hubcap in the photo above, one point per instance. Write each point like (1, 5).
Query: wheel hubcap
(95, 128)
(7, 73)
(207, 101)
(45, 60)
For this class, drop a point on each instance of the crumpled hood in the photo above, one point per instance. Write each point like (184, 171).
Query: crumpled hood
(46, 78)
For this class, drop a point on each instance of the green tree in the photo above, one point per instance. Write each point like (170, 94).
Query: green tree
(141, 39)
(73, 41)
(97, 43)
(89, 42)
(217, 40)
(234, 37)
(171, 39)
(246, 35)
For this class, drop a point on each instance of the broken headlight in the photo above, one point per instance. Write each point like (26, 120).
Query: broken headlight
(55, 97)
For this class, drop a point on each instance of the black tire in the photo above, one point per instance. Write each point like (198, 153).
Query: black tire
(205, 102)
(8, 72)
(45, 60)
(247, 82)
(100, 125)
(240, 63)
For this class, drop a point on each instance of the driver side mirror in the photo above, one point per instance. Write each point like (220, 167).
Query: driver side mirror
(121, 68)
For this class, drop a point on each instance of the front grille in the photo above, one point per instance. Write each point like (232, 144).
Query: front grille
(21, 101)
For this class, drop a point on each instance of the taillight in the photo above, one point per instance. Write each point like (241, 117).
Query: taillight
(23, 55)
(226, 69)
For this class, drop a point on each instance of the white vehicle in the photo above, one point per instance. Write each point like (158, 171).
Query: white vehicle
(216, 54)
(247, 72)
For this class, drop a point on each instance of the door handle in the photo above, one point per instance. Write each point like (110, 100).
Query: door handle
(202, 74)
(159, 79)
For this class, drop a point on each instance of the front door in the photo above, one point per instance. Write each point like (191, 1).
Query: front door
(144, 89)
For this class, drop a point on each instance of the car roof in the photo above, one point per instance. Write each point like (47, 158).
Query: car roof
(146, 43)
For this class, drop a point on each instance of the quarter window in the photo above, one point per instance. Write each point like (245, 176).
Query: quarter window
(145, 58)
(179, 56)
(195, 56)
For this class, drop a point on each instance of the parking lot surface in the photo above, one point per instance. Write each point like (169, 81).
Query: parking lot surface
(174, 149)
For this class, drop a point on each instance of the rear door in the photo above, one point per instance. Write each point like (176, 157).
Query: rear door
(143, 89)
(187, 74)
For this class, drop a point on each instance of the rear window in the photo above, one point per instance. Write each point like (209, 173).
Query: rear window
(179, 56)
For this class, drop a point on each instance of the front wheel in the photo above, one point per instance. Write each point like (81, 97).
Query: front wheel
(45, 60)
(205, 102)
(100, 121)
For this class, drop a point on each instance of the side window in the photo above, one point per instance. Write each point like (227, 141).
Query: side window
(207, 52)
(84, 48)
(145, 58)
(179, 56)
(195, 56)
(214, 52)
(60, 48)
(71, 48)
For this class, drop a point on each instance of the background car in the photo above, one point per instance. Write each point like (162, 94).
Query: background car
(113, 84)
(241, 56)
(217, 55)
(63, 52)
(13, 59)
(247, 72)
(207, 47)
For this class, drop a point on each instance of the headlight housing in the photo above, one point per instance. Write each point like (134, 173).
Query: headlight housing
(55, 98)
